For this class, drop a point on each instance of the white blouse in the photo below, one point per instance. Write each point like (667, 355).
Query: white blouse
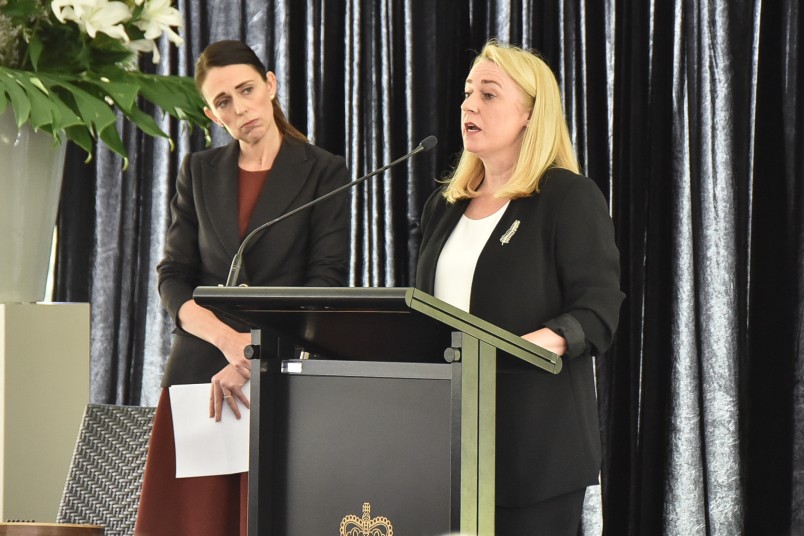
(456, 264)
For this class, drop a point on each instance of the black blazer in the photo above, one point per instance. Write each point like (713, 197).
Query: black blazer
(560, 269)
(308, 249)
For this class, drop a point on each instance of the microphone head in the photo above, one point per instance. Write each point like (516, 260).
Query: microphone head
(428, 143)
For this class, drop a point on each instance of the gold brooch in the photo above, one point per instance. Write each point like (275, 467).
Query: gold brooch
(506, 237)
(352, 525)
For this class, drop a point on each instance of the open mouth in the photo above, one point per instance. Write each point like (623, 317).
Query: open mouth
(471, 127)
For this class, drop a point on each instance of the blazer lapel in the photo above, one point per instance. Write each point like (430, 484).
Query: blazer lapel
(442, 231)
(219, 190)
(288, 175)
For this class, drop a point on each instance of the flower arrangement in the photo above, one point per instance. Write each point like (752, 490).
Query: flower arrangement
(65, 65)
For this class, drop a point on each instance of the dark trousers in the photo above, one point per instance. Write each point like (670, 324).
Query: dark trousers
(557, 516)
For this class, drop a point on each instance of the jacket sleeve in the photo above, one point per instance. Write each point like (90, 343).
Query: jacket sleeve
(588, 267)
(178, 270)
(328, 260)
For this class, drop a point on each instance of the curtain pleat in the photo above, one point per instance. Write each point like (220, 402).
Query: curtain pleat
(687, 115)
(708, 253)
(791, 72)
(773, 365)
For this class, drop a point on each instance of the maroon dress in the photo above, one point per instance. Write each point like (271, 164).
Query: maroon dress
(197, 506)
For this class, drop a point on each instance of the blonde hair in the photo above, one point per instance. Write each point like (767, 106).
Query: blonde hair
(546, 142)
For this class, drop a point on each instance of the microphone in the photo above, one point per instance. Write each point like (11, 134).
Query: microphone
(237, 261)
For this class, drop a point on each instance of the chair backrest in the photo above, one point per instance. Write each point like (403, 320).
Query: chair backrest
(105, 478)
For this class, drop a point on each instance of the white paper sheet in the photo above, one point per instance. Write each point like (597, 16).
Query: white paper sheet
(205, 447)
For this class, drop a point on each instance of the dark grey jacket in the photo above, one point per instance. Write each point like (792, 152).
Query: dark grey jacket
(308, 249)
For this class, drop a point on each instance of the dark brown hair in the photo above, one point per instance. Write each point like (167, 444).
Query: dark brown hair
(231, 52)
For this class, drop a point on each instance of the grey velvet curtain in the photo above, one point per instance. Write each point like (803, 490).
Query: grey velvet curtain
(686, 113)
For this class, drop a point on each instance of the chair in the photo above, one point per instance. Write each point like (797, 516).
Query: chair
(105, 477)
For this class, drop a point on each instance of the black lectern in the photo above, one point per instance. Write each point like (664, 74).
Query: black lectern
(387, 428)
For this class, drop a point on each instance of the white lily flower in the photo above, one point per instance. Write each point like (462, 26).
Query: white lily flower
(145, 45)
(72, 10)
(106, 18)
(94, 16)
(157, 17)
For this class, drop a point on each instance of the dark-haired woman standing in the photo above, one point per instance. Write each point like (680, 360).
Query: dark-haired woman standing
(221, 195)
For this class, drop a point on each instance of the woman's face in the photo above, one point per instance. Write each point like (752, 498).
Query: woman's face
(239, 100)
(493, 118)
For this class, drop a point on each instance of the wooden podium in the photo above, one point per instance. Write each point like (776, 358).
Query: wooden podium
(388, 428)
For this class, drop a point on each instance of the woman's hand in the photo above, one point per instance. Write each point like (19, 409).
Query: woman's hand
(228, 383)
(232, 348)
(547, 339)
(227, 388)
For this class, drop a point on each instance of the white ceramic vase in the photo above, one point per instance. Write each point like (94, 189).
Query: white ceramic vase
(31, 169)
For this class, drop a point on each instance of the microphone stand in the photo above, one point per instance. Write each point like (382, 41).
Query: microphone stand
(234, 271)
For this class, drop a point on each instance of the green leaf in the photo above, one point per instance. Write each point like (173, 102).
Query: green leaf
(123, 94)
(111, 138)
(81, 137)
(41, 109)
(35, 81)
(19, 100)
(96, 113)
(58, 114)
(35, 48)
(21, 8)
(63, 115)
(136, 12)
(145, 122)
(64, 94)
(170, 94)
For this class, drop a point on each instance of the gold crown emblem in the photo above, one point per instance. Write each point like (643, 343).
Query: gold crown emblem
(352, 525)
